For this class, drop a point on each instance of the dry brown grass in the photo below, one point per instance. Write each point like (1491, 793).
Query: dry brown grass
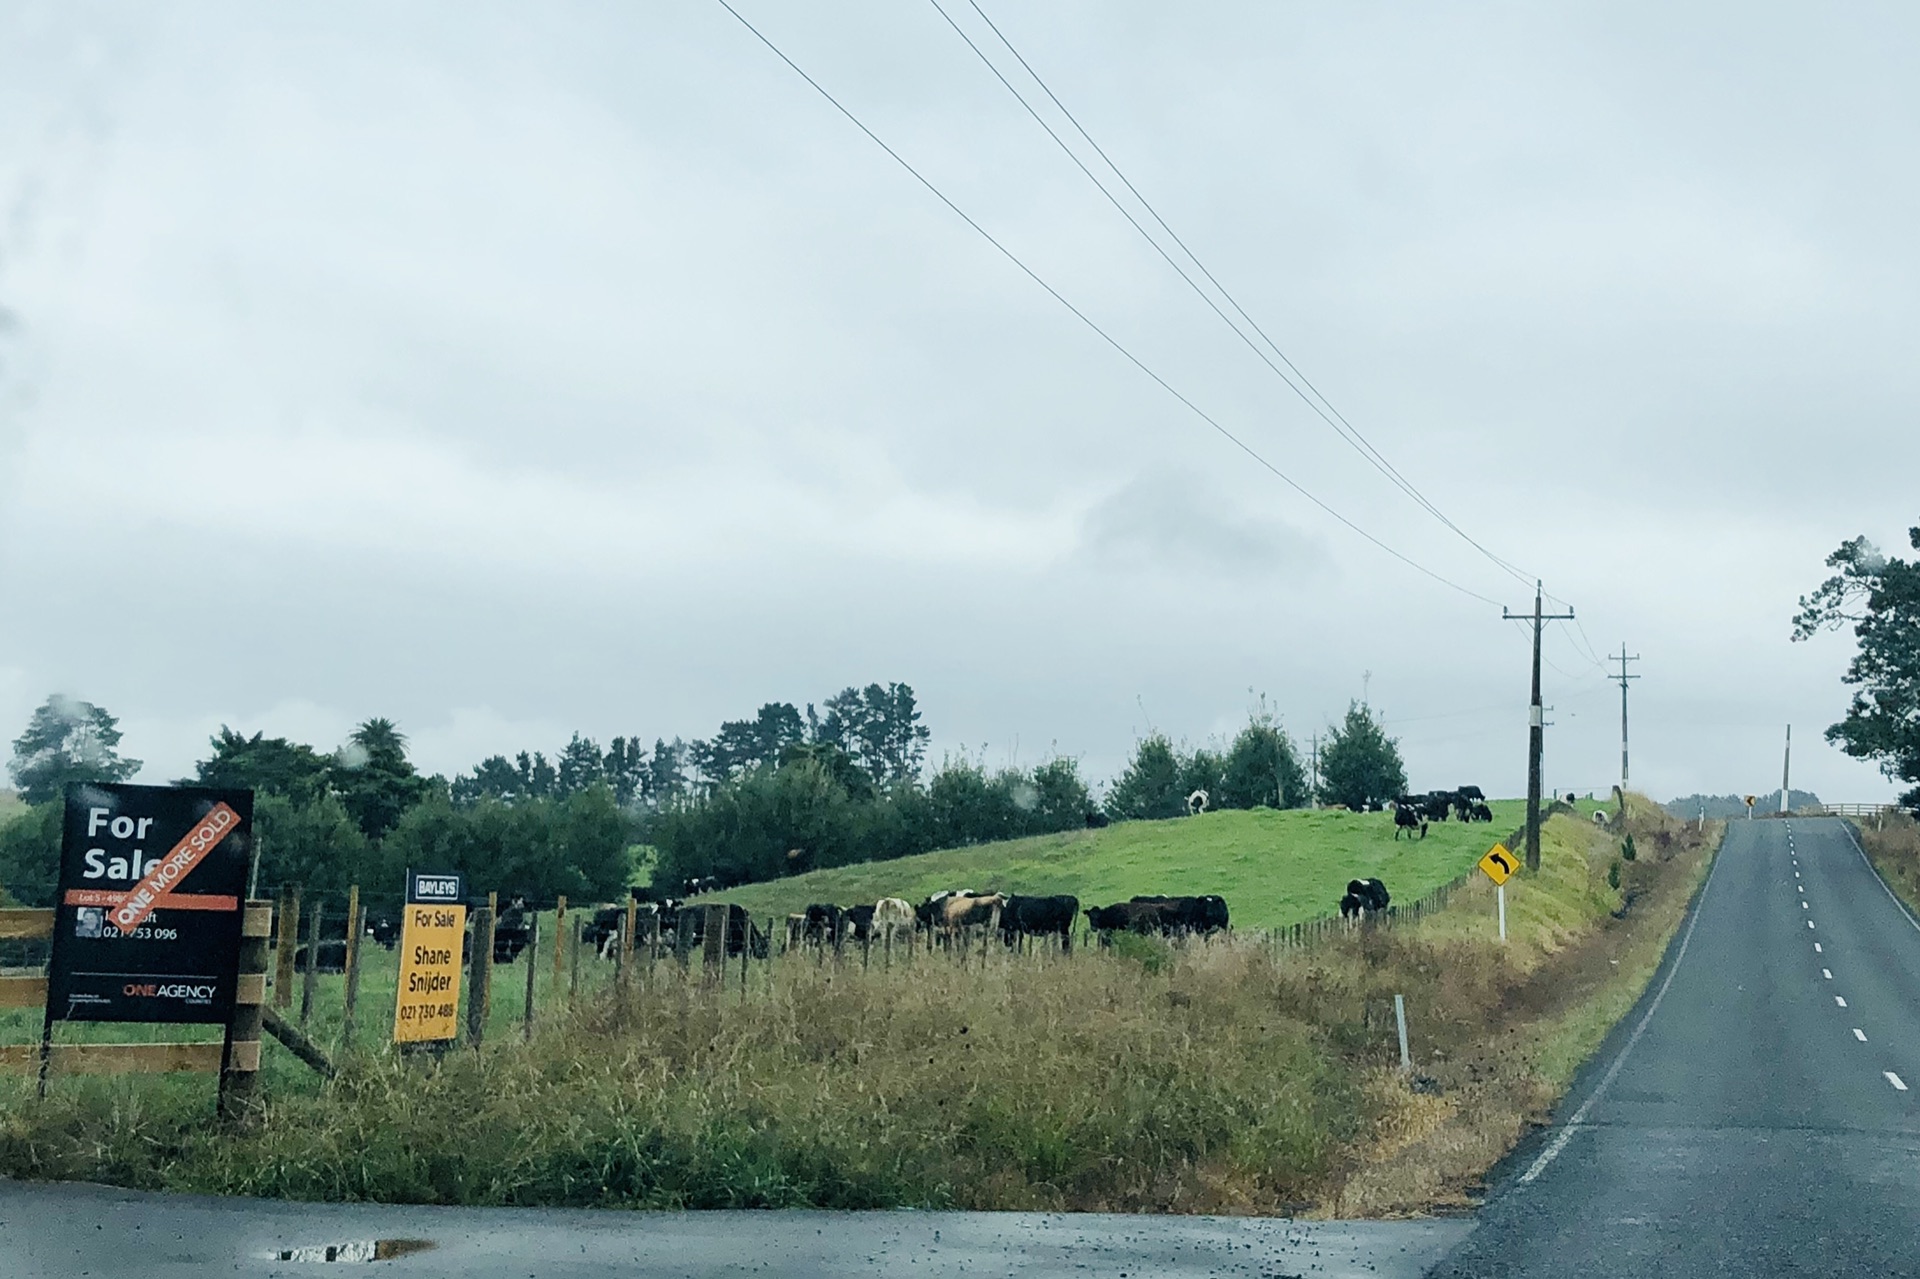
(1225, 1077)
(1893, 845)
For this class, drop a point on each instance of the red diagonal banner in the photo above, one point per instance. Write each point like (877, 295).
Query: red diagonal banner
(171, 869)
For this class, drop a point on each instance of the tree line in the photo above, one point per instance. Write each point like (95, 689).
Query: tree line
(785, 791)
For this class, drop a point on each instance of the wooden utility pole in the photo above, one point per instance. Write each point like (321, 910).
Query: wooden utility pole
(1623, 677)
(1536, 722)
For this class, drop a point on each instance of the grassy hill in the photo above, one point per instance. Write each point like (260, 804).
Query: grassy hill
(1274, 868)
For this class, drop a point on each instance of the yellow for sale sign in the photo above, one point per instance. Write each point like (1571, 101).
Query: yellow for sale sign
(427, 1005)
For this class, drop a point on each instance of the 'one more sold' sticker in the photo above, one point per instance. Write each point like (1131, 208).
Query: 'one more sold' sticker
(174, 867)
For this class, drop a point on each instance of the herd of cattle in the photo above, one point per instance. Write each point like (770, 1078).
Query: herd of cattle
(942, 916)
(1411, 813)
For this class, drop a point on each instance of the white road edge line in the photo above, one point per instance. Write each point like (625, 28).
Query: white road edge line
(1894, 1080)
(1565, 1135)
(1860, 1034)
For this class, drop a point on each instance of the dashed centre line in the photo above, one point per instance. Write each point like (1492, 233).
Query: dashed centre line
(1860, 1034)
(1816, 945)
(1809, 923)
(1839, 1001)
(1804, 906)
(1894, 1080)
(1827, 973)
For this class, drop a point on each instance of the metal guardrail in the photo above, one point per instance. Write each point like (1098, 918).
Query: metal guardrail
(1858, 810)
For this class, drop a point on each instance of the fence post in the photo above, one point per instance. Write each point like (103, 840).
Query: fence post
(309, 976)
(533, 953)
(356, 925)
(623, 972)
(559, 941)
(493, 915)
(683, 938)
(240, 1059)
(286, 923)
(480, 974)
(1400, 1019)
(573, 964)
(713, 936)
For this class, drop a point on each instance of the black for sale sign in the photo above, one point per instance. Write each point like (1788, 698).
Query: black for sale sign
(147, 923)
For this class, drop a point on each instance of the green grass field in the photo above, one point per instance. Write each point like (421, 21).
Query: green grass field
(1274, 868)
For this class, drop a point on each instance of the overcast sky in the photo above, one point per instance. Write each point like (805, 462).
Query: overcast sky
(515, 370)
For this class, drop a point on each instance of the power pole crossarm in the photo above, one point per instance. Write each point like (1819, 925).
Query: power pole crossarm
(1536, 722)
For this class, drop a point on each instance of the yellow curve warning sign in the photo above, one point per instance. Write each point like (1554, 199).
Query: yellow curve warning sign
(427, 1005)
(1499, 864)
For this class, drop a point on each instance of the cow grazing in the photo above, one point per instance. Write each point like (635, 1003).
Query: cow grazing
(1039, 917)
(1196, 803)
(1473, 793)
(931, 912)
(602, 932)
(1369, 895)
(858, 922)
(971, 910)
(1482, 812)
(1203, 915)
(892, 917)
(1129, 917)
(824, 921)
(327, 956)
(1163, 915)
(512, 931)
(1407, 820)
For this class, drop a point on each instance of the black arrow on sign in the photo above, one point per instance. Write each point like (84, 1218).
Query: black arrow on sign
(1501, 862)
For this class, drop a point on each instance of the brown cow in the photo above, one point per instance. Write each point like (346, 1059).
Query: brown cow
(968, 910)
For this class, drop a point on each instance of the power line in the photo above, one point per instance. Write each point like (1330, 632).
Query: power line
(1324, 407)
(1080, 315)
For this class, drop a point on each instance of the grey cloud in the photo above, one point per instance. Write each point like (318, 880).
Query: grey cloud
(1174, 522)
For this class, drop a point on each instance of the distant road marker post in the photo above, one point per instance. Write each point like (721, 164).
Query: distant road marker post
(1499, 866)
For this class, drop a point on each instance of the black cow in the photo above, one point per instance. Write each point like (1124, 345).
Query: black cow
(1096, 819)
(512, 931)
(1480, 812)
(1039, 917)
(858, 922)
(384, 929)
(329, 956)
(1473, 793)
(1202, 915)
(1368, 896)
(1407, 819)
(823, 922)
(1131, 917)
(1435, 805)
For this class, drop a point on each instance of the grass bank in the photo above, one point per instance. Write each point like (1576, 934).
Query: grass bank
(1273, 867)
(1211, 1077)
(1892, 843)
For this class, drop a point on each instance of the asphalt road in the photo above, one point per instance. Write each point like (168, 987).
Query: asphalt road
(1759, 1113)
(67, 1231)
